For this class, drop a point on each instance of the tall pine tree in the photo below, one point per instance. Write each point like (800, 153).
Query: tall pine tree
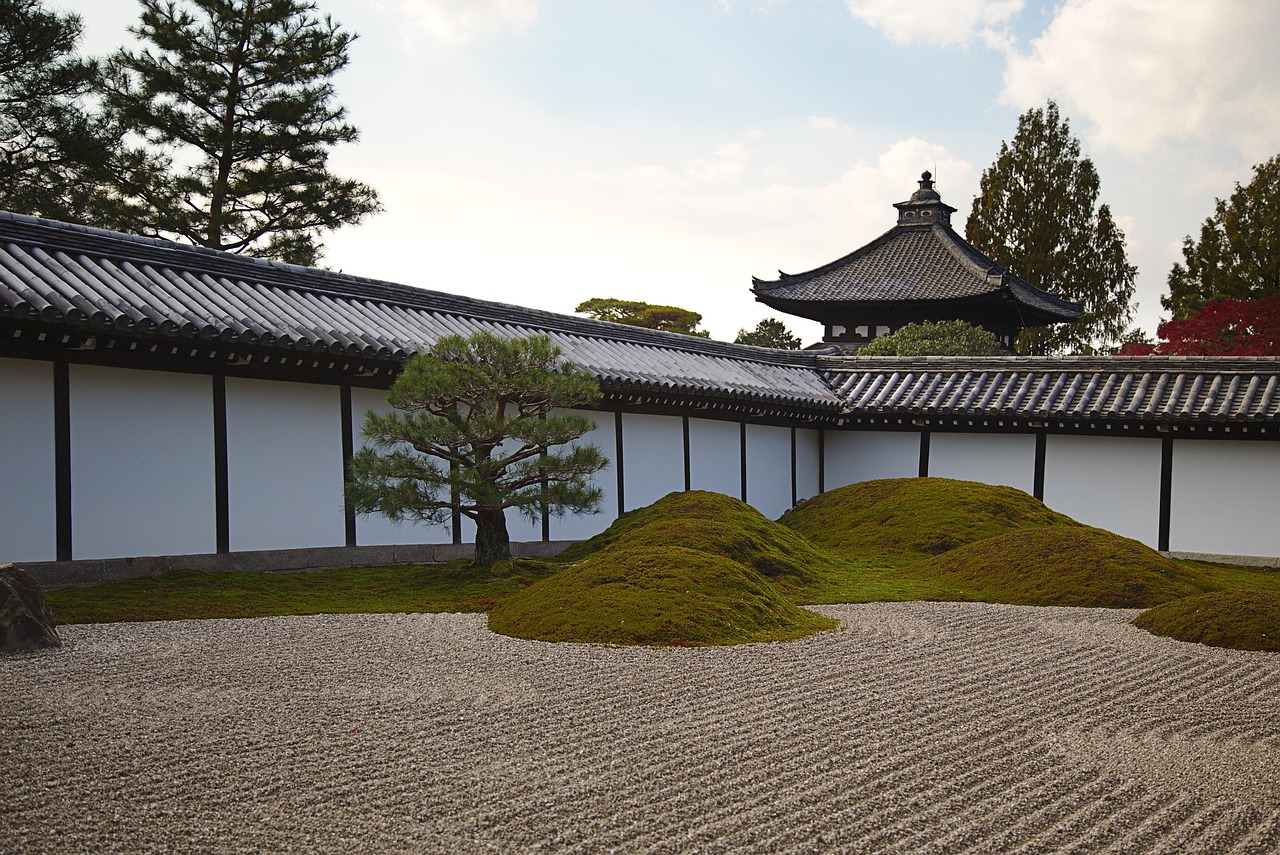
(1238, 254)
(1037, 214)
(234, 104)
(53, 151)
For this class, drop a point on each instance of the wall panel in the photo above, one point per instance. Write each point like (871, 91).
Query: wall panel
(142, 470)
(582, 526)
(652, 457)
(715, 456)
(853, 456)
(284, 462)
(1225, 497)
(1008, 459)
(28, 500)
(1108, 482)
(769, 469)
(375, 529)
(807, 463)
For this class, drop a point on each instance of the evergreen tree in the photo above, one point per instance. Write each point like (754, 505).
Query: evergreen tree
(770, 332)
(234, 102)
(1238, 254)
(636, 314)
(476, 435)
(936, 338)
(53, 151)
(1038, 215)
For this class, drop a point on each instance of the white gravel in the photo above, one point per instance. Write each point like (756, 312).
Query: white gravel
(916, 727)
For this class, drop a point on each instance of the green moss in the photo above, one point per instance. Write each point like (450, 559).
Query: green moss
(668, 595)
(721, 525)
(903, 520)
(1061, 566)
(1243, 620)
(190, 594)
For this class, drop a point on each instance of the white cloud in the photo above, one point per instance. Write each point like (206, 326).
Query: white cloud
(1143, 72)
(938, 22)
(659, 232)
(467, 20)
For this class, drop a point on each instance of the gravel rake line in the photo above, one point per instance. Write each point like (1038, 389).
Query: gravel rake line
(916, 727)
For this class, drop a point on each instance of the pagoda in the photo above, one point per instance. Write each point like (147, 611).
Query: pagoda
(919, 270)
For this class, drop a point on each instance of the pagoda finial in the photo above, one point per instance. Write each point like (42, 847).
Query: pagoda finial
(925, 207)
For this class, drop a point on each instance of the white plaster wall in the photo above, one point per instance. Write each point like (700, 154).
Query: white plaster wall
(1108, 482)
(28, 497)
(769, 469)
(715, 456)
(582, 526)
(284, 465)
(142, 467)
(1225, 497)
(853, 456)
(652, 458)
(807, 462)
(1008, 459)
(375, 529)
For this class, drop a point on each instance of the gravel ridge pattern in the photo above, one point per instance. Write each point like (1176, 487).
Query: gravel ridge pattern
(914, 727)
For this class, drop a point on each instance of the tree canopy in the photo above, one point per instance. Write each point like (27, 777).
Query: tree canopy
(234, 106)
(53, 151)
(936, 338)
(637, 314)
(475, 432)
(770, 332)
(1238, 254)
(1221, 328)
(1037, 213)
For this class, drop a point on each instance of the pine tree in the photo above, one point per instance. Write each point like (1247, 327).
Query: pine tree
(477, 435)
(1037, 214)
(636, 314)
(234, 101)
(1238, 254)
(53, 151)
(770, 332)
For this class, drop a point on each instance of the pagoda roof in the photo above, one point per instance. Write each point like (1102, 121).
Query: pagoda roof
(921, 261)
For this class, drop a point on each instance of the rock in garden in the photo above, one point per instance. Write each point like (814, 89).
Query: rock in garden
(25, 620)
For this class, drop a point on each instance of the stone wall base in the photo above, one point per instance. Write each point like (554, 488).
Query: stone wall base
(1239, 560)
(91, 571)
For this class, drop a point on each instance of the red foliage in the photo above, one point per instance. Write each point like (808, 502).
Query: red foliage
(1222, 328)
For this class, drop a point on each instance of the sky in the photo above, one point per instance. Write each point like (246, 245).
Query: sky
(542, 152)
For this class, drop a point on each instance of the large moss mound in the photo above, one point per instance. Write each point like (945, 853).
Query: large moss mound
(663, 595)
(901, 520)
(1062, 566)
(1242, 620)
(720, 525)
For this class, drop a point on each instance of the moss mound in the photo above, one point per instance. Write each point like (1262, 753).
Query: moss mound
(901, 520)
(1062, 566)
(1241, 620)
(660, 595)
(720, 525)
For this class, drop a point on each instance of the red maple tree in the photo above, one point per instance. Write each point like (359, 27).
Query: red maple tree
(1222, 328)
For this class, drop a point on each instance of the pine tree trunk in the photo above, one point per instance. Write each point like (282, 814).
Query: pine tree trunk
(492, 542)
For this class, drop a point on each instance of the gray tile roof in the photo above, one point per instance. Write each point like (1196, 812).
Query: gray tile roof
(1145, 389)
(93, 280)
(910, 264)
(58, 276)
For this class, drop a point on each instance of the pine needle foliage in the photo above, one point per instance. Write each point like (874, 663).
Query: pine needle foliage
(233, 103)
(474, 432)
(53, 150)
